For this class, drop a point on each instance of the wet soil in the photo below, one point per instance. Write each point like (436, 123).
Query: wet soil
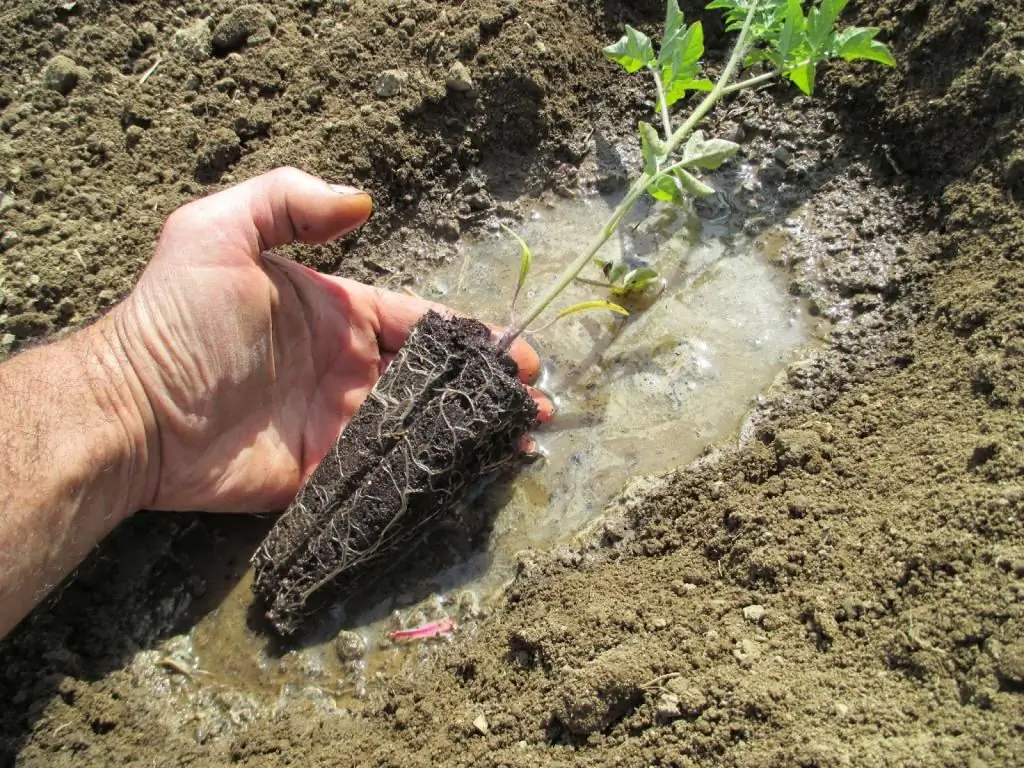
(844, 587)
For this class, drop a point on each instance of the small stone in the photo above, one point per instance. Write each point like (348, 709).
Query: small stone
(840, 709)
(754, 613)
(391, 82)
(133, 135)
(783, 156)
(7, 341)
(691, 700)
(8, 240)
(480, 723)
(61, 74)
(459, 78)
(667, 707)
(147, 32)
(6, 201)
(350, 646)
(194, 42)
(247, 24)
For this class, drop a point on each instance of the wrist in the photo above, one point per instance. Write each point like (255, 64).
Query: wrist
(124, 408)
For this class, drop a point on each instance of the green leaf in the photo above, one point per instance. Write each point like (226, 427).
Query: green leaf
(803, 77)
(793, 30)
(585, 306)
(634, 51)
(681, 64)
(667, 189)
(693, 185)
(636, 280)
(651, 147)
(859, 43)
(673, 25)
(703, 153)
(525, 263)
(821, 25)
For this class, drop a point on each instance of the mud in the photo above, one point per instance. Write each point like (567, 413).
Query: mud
(843, 587)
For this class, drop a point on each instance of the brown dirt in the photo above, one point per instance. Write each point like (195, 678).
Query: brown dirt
(874, 514)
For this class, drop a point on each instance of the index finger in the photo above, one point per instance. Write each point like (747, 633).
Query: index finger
(397, 313)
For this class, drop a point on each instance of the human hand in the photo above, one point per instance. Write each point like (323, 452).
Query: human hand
(250, 363)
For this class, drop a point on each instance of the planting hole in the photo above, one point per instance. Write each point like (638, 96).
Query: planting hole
(635, 396)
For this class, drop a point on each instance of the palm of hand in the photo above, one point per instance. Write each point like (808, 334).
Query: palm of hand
(253, 364)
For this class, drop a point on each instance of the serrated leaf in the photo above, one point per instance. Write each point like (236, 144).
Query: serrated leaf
(693, 185)
(585, 306)
(803, 77)
(793, 30)
(673, 25)
(680, 57)
(651, 147)
(821, 25)
(633, 51)
(525, 263)
(707, 153)
(859, 43)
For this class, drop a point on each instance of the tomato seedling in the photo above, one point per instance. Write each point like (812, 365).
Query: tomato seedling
(778, 36)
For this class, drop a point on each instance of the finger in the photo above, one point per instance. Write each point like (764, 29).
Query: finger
(397, 313)
(386, 358)
(545, 405)
(526, 357)
(286, 205)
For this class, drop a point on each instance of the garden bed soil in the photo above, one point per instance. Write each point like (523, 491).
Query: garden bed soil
(844, 588)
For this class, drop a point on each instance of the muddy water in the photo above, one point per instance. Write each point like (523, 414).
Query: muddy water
(635, 396)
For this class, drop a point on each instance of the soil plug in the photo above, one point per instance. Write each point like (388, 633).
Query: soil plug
(448, 413)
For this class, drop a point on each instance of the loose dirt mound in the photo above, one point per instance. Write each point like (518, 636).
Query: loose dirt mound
(845, 589)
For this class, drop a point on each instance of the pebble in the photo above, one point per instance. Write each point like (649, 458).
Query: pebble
(61, 74)
(840, 709)
(194, 42)
(754, 612)
(6, 201)
(480, 723)
(350, 646)
(459, 78)
(246, 24)
(147, 32)
(391, 82)
(8, 340)
(783, 156)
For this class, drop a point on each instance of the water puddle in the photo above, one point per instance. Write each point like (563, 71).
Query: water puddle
(635, 396)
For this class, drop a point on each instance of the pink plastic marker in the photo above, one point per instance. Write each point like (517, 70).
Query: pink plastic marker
(424, 632)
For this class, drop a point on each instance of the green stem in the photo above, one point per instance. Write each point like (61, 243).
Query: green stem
(637, 190)
(662, 102)
(752, 82)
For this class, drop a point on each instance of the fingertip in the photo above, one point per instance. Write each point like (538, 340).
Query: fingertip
(545, 405)
(526, 359)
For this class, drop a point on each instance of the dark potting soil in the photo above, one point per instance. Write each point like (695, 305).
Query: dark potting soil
(448, 413)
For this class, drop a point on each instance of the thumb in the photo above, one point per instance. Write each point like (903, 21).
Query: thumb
(286, 204)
